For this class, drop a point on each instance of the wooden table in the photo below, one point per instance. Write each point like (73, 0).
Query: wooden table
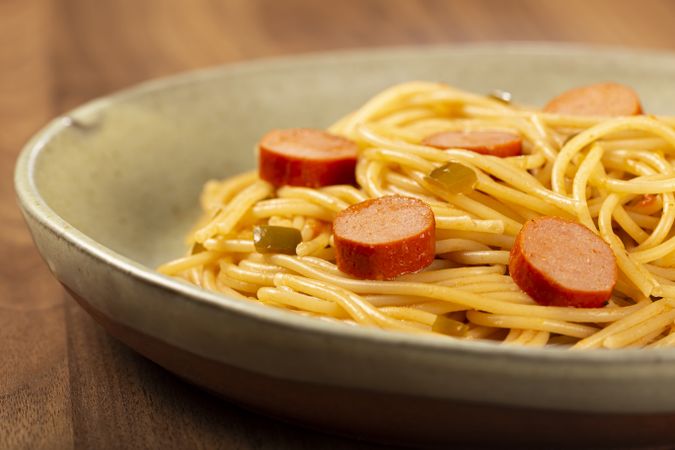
(63, 382)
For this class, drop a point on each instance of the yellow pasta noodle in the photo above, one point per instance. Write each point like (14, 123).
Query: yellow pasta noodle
(613, 175)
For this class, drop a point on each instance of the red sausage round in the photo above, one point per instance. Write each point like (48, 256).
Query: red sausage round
(495, 143)
(600, 99)
(306, 157)
(385, 237)
(562, 263)
(646, 204)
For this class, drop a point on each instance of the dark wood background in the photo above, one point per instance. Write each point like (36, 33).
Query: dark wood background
(63, 382)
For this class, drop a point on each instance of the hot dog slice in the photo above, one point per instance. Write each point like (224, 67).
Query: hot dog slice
(562, 263)
(306, 157)
(646, 204)
(385, 237)
(495, 143)
(601, 99)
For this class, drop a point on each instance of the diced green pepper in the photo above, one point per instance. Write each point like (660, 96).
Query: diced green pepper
(501, 95)
(273, 239)
(453, 177)
(197, 248)
(446, 325)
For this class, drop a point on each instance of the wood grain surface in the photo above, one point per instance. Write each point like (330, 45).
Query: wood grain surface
(63, 382)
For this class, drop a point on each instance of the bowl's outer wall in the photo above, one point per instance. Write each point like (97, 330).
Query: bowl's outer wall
(126, 172)
(342, 359)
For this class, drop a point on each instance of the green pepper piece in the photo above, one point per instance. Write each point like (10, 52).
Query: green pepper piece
(453, 177)
(197, 248)
(273, 239)
(501, 96)
(446, 325)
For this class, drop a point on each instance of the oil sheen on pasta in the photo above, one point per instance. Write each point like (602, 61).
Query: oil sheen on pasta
(612, 174)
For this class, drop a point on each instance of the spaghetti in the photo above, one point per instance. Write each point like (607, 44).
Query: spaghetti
(613, 175)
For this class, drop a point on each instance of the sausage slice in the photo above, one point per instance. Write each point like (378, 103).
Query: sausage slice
(306, 157)
(601, 99)
(383, 238)
(562, 263)
(646, 204)
(495, 143)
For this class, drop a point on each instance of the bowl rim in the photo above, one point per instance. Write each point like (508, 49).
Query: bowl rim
(35, 206)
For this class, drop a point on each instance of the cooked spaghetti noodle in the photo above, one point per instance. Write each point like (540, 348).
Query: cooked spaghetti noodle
(613, 175)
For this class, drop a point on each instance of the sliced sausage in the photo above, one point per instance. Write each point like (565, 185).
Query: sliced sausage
(383, 238)
(646, 204)
(306, 157)
(495, 143)
(562, 263)
(601, 99)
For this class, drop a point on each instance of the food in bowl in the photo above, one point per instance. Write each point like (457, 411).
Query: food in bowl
(435, 210)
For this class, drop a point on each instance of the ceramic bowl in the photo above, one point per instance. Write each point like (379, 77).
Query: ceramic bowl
(110, 190)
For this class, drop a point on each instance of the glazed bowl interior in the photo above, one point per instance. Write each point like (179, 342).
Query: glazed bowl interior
(114, 186)
(128, 171)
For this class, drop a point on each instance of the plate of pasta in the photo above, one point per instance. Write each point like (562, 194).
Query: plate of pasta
(386, 243)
